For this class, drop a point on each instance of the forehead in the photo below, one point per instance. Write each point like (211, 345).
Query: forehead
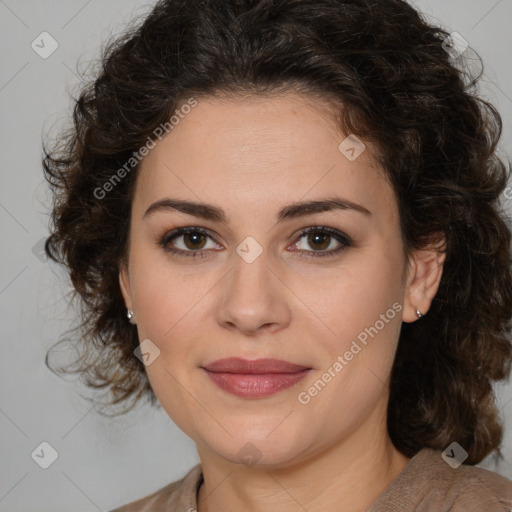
(257, 151)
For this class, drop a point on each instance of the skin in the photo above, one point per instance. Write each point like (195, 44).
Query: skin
(251, 157)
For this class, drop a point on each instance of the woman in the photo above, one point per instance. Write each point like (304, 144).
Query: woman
(282, 221)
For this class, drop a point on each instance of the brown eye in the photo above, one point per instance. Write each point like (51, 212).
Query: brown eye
(188, 241)
(319, 240)
(194, 240)
(322, 241)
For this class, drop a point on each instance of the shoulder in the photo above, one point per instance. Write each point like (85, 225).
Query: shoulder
(179, 495)
(428, 483)
(474, 486)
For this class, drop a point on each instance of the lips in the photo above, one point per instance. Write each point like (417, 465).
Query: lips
(254, 379)
(256, 366)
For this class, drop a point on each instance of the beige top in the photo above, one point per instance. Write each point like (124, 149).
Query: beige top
(426, 484)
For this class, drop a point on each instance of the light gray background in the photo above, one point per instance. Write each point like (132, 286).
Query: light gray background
(101, 462)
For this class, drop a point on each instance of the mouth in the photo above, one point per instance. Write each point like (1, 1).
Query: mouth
(255, 366)
(254, 379)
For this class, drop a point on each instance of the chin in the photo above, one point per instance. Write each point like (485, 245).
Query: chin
(261, 452)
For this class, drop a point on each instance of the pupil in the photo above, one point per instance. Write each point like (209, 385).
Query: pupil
(319, 239)
(196, 239)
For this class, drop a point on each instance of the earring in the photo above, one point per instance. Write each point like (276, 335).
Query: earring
(418, 313)
(129, 314)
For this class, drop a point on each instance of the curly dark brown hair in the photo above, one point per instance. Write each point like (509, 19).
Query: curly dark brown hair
(389, 75)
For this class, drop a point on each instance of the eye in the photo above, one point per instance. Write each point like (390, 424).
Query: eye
(321, 239)
(193, 242)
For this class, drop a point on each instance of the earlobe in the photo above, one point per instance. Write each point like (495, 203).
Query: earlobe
(424, 278)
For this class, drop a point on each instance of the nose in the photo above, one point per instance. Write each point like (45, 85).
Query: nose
(253, 298)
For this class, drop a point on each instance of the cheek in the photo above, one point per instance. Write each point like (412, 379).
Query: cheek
(173, 305)
(166, 304)
(361, 309)
(351, 297)
(162, 292)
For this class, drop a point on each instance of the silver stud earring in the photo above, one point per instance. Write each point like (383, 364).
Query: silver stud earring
(418, 313)
(129, 314)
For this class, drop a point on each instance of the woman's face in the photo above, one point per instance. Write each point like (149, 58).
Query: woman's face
(258, 287)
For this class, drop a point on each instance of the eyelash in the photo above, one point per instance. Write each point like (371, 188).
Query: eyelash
(343, 239)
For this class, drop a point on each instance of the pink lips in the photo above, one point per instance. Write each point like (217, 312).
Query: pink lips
(254, 379)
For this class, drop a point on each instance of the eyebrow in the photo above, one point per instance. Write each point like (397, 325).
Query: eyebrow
(291, 211)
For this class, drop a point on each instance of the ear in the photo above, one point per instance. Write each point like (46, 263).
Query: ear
(424, 275)
(124, 283)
